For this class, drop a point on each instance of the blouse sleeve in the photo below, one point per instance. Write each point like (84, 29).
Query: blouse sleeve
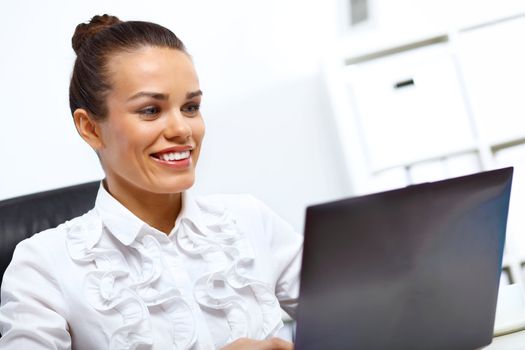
(32, 309)
(286, 248)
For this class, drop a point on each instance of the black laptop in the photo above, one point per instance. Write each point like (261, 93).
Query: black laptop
(413, 268)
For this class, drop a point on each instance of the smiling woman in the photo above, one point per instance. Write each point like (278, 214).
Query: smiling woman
(150, 266)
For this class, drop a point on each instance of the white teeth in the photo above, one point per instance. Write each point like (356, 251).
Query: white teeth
(175, 155)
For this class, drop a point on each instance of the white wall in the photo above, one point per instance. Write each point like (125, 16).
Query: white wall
(269, 123)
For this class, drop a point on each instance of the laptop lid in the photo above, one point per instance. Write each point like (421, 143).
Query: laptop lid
(413, 268)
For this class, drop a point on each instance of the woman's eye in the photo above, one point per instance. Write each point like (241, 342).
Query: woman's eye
(149, 112)
(191, 110)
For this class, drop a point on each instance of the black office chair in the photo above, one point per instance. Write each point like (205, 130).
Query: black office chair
(22, 217)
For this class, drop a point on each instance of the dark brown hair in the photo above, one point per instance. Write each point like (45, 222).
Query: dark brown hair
(94, 43)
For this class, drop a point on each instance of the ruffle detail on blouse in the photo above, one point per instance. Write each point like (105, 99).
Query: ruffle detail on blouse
(217, 238)
(112, 288)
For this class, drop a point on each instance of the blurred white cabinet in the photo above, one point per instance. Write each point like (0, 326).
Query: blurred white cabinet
(410, 106)
(492, 61)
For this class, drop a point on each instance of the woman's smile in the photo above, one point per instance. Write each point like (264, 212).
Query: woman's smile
(174, 157)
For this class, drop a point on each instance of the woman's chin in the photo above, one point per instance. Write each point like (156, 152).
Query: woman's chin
(180, 185)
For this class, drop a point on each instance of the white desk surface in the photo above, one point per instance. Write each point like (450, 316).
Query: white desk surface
(512, 341)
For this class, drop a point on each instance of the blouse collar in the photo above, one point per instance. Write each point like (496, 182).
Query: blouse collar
(126, 226)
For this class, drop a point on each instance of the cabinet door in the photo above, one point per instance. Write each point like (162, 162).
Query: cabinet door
(492, 62)
(410, 106)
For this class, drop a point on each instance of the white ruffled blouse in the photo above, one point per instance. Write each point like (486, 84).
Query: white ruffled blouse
(107, 280)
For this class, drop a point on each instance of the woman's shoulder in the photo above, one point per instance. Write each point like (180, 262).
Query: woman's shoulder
(52, 241)
(245, 209)
(242, 205)
(230, 199)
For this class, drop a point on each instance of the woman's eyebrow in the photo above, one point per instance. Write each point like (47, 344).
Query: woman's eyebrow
(161, 96)
(193, 94)
(155, 95)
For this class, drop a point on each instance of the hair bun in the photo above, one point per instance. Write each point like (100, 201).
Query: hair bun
(85, 31)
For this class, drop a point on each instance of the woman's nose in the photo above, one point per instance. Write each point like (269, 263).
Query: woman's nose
(177, 126)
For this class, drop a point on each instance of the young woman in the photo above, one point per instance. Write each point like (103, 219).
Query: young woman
(150, 267)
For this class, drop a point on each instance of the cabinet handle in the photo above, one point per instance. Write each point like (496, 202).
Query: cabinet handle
(404, 83)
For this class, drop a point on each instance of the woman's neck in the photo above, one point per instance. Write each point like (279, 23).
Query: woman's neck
(159, 210)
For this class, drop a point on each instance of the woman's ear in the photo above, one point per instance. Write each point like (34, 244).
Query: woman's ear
(88, 128)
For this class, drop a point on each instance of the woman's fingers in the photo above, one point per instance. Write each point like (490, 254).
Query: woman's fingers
(251, 344)
(277, 344)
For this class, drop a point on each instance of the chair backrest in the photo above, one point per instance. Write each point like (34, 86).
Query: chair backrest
(22, 217)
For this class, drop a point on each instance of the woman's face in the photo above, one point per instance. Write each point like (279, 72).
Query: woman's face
(152, 135)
